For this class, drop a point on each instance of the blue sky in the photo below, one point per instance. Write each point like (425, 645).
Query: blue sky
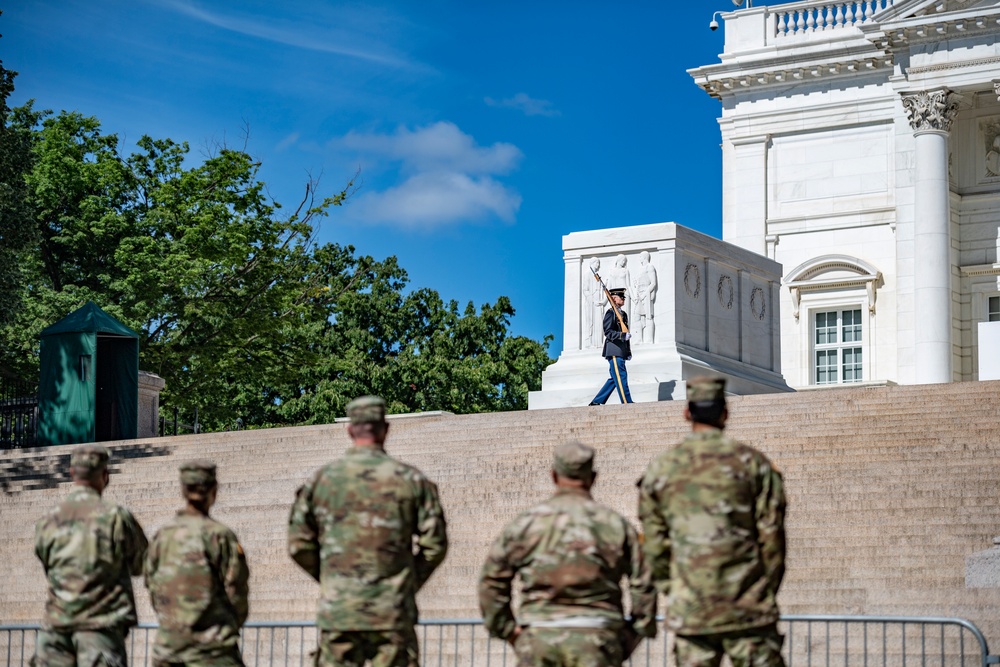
(483, 131)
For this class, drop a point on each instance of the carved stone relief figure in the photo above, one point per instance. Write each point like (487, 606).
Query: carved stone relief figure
(993, 159)
(618, 276)
(644, 294)
(988, 153)
(593, 307)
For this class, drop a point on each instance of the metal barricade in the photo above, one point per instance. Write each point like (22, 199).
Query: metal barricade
(886, 641)
(810, 641)
(18, 643)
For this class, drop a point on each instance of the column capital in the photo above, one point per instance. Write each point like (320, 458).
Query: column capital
(931, 110)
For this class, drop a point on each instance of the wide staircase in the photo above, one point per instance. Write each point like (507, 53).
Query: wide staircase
(889, 488)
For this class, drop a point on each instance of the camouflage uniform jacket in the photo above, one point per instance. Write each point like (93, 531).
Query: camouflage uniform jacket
(197, 576)
(90, 548)
(352, 528)
(713, 513)
(571, 554)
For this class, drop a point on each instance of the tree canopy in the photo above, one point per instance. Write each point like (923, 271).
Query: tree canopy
(238, 306)
(15, 235)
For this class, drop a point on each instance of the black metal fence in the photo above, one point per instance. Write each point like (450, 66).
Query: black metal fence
(173, 425)
(18, 414)
(810, 641)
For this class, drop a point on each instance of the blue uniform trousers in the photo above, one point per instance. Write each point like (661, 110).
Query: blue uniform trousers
(618, 381)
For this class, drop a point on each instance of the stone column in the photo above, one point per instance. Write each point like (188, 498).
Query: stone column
(931, 114)
(150, 386)
(744, 192)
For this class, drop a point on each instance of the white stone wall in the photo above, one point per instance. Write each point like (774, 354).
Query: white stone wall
(989, 362)
(829, 187)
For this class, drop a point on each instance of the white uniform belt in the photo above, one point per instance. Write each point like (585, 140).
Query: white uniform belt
(574, 622)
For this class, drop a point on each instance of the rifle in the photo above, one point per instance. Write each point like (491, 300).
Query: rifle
(607, 293)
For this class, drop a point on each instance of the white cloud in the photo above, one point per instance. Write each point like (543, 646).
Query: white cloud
(287, 142)
(437, 198)
(354, 40)
(439, 146)
(447, 177)
(527, 105)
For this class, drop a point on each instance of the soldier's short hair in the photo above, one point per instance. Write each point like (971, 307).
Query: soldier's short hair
(574, 460)
(87, 460)
(366, 410)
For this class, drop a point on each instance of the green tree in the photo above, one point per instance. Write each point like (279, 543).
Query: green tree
(16, 236)
(197, 260)
(417, 352)
(237, 307)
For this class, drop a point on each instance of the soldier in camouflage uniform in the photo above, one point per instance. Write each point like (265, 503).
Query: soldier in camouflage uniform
(90, 548)
(713, 512)
(571, 554)
(197, 576)
(371, 530)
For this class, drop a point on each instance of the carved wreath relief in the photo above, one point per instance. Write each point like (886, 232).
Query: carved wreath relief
(725, 292)
(692, 281)
(757, 306)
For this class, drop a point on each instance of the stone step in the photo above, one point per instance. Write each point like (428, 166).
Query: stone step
(889, 489)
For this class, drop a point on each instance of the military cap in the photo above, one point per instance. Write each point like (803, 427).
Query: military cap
(617, 291)
(706, 390)
(366, 410)
(198, 472)
(89, 458)
(574, 460)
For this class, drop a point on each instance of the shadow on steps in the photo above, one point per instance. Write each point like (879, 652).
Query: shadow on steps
(47, 471)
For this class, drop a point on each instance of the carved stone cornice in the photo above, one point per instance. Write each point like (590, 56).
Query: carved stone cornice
(899, 34)
(719, 85)
(931, 110)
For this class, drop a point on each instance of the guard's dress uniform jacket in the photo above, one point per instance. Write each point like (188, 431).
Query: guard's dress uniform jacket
(617, 350)
(615, 344)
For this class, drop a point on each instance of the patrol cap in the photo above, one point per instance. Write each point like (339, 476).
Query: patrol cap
(366, 410)
(617, 291)
(198, 473)
(706, 390)
(89, 458)
(574, 460)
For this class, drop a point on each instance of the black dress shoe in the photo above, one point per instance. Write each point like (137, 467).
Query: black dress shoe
(589, 404)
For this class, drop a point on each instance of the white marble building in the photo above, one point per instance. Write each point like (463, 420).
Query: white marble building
(861, 151)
